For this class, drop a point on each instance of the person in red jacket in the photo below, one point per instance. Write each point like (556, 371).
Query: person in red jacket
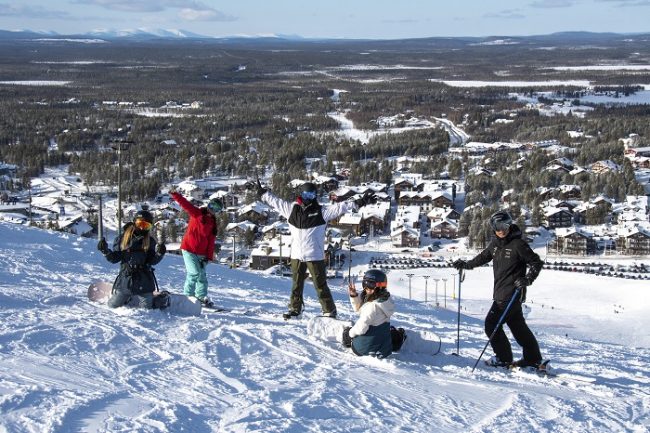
(198, 245)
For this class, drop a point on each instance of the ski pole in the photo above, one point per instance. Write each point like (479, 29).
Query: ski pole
(461, 277)
(350, 259)
(499, 323)
(100, 220)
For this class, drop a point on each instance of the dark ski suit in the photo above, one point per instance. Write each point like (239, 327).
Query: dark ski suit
(512, 258)
(135, 283)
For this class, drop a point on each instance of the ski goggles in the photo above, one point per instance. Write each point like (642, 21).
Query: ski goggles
(215, 206)
(142, 224)
(372, 284)
(500, 226)
(308, 195)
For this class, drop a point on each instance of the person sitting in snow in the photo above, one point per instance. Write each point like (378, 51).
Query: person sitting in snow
(372, 333)
(515, 266)
(307, 222)
(137, 251)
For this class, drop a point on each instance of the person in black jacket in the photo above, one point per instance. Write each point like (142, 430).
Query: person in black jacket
(515, 265)
(136, 251)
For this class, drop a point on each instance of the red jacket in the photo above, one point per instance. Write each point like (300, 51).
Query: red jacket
(201, 231)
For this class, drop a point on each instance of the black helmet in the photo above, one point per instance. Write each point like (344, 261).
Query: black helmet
(500, 220)
(145, 215)
(308, 192)
(143, 220)
(374, 279)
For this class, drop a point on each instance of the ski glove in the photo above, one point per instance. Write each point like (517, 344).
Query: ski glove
(203, 262)
(461, 264)
(256, 187)
(345, 338)
(522, 282)
(102, 246)
(369, 197)
(161, 249)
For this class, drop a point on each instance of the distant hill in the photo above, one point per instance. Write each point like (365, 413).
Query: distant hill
(146, 34)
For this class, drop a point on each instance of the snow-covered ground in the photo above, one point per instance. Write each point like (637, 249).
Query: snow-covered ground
(347, 129)
(68, 365)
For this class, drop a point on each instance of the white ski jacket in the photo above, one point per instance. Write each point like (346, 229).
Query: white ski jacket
(307, 224)
(372, 313)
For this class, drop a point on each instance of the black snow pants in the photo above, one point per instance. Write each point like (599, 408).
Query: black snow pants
(520, 330)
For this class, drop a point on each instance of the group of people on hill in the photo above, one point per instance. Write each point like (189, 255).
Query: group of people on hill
(515, 267)
(137, 251)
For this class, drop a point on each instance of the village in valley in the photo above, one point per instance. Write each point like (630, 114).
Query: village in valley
(414, 217)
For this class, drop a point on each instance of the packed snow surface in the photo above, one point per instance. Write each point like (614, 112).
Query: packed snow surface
(69, 365)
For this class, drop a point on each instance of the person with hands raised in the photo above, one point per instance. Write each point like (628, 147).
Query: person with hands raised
(137, 251)
(198, 245)
(307, 220)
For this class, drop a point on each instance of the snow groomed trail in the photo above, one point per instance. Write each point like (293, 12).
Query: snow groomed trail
(69, 365)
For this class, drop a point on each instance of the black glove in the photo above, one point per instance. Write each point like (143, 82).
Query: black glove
(161, 249)
(203, 262)
(102, 246)
(522, 282)
(369, 197)
(256, 187)
(345, 338)
(461, 264)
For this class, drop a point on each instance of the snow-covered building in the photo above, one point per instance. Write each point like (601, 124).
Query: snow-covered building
(572, 240)
(604, 166)
(633, 241)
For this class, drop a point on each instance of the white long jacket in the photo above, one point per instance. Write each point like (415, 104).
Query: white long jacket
(308, 243)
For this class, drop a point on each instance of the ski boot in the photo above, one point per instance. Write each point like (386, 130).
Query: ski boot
(291, 314)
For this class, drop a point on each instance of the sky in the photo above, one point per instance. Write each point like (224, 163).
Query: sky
(372, 19)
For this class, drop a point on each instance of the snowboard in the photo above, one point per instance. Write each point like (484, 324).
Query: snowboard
(178, 304)
(327, 328)
(421, 342)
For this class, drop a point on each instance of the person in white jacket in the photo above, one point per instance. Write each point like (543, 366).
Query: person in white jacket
(307, 223)
(372, 333)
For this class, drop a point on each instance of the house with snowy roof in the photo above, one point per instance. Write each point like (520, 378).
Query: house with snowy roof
(604, 166)
(257, 211)
(574, 241)
(555, 217)
(402, 236)
(633, 241)
(445, 228)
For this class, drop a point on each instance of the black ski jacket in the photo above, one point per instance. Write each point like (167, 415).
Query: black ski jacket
(512, 258)
(136, 274)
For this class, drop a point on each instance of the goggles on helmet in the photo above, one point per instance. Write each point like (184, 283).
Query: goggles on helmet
(308, 195)
(142, 224)
(500, 226)
(372, 284)
(215, 206)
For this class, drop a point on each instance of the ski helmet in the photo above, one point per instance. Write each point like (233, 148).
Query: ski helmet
(500, 221)
(215, 205)
(143, 220)
(308, 192)
(374, 279)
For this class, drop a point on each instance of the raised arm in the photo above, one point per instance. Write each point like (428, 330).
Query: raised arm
(282, 206)
(188, 207)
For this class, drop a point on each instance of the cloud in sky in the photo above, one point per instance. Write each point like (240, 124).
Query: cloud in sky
(189, 14)
(36, 12)
(506, 14)
(553, 3)
(629, 3)
(187, 10)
